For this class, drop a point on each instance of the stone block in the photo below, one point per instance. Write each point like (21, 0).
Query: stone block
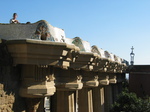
(11, 99)
(1, 92)
(3, 108)
(2, 100)
(8, 109)
(6, 99)
(1, 86)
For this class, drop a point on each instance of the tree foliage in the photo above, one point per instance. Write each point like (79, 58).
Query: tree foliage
(129, 102)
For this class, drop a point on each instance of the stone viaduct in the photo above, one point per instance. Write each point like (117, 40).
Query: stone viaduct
(38, 62)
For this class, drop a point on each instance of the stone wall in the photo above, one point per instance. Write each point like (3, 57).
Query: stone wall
(10, 101)
(6, 100)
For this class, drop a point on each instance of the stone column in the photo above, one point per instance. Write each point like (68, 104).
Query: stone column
(108, 97)
(90, 80)
(32, 104)
(63, 101)
(98, 99)
(41, 105)
(115, 92)
(85, 100)
(67, 83)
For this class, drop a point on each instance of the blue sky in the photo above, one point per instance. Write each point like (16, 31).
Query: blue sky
(113, 25)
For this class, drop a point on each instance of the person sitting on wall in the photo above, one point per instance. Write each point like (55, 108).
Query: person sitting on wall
(14, 19)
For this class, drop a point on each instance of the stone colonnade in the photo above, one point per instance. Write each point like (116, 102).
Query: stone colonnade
(90, 98)
(76, 81)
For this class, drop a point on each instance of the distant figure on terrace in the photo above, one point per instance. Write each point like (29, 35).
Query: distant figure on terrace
(14, 19)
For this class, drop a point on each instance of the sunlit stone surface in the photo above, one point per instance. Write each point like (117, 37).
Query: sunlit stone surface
(69, 70)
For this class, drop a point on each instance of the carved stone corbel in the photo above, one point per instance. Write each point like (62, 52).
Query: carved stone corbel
(90, 78)
(37, 81)
(84, 61)
(103, 79)
(112, 66)
(112, 78)
(68, 80)
(76, 84)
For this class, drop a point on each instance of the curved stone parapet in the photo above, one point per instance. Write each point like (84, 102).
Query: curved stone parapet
(85, 58)
(40, 30)
(75, 51)
(83, 45)
(103, 61)
(108, 62)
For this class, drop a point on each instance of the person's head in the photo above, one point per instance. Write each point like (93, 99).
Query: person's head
(15, 15)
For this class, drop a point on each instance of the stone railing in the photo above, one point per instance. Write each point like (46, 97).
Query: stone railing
(76, 75)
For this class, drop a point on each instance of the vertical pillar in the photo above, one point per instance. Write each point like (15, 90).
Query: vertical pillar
(114, 92)
(108, 97)
(63, 101)
(32, 104)
(41, 105)
(119, 85)
(98, 99)
(85, 100)
(76, 101)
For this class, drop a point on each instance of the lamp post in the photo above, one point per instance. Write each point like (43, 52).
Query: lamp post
(132, 56)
